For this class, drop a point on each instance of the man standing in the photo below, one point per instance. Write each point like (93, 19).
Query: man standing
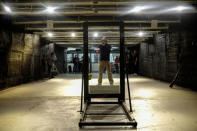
(51, 64)
(135, 62)
(104, 61)
(116, 64)
(75, 62)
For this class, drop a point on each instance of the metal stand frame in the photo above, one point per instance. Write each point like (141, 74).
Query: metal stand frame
(85, 85)
(129, 94)
(131, 120)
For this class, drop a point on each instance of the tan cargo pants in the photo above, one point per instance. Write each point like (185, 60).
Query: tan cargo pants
(102, 65)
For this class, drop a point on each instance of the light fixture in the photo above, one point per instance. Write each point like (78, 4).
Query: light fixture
(50, 34)
(73, 34)
(95, 34)
(50, 9)
(136, 9)
(7, 9)
(180, 8)
(140, 34)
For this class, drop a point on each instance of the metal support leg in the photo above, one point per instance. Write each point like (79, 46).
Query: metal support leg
(83, 116)
(81, 96)
(131, 110)
(132, 120)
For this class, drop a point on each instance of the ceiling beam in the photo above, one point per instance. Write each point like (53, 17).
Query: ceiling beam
(67, 34)
(88, 13)
(109, 36)
(93, 28)
(98, 41)
(101, 3)
(99, 38)
(80, 43)
(81, 21)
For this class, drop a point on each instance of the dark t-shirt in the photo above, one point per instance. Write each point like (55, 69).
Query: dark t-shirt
(135, 56)
(105, 52)
(75, 61)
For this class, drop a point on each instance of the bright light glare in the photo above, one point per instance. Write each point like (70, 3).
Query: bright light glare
(73, 34)
(51, 9)
(136, 9)
(7, 9)
(180, 8)
(95, 34)
(50, 34)
(140, 34)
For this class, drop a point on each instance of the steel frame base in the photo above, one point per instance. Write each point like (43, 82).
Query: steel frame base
(84, 114)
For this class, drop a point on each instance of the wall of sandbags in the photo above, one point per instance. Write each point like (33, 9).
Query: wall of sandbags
(5, 44)
(187, 59)
(20, 55)
(166, 53)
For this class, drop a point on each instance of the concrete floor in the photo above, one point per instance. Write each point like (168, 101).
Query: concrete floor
(52, 105)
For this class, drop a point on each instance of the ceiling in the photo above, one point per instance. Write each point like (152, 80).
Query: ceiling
(61, 21)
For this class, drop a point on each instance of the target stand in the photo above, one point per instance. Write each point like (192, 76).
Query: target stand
(105, 91)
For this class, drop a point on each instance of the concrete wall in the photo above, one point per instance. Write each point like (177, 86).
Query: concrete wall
(20, 55)
(161, 57)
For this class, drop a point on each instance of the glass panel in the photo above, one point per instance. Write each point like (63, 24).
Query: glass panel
(104, 67)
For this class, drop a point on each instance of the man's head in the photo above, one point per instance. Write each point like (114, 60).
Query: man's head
(104, 40)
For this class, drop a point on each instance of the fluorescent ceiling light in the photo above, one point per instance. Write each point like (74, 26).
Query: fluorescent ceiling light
(7, 9)
(140, 34)
(70, 48)
(50, 34)
(115, 47)
(95, 34)
(180, 8)
(50, 9)
(137, 9)
(73, 34)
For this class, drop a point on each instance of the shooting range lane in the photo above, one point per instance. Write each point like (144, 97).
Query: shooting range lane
(53, 52)
(156, 106)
